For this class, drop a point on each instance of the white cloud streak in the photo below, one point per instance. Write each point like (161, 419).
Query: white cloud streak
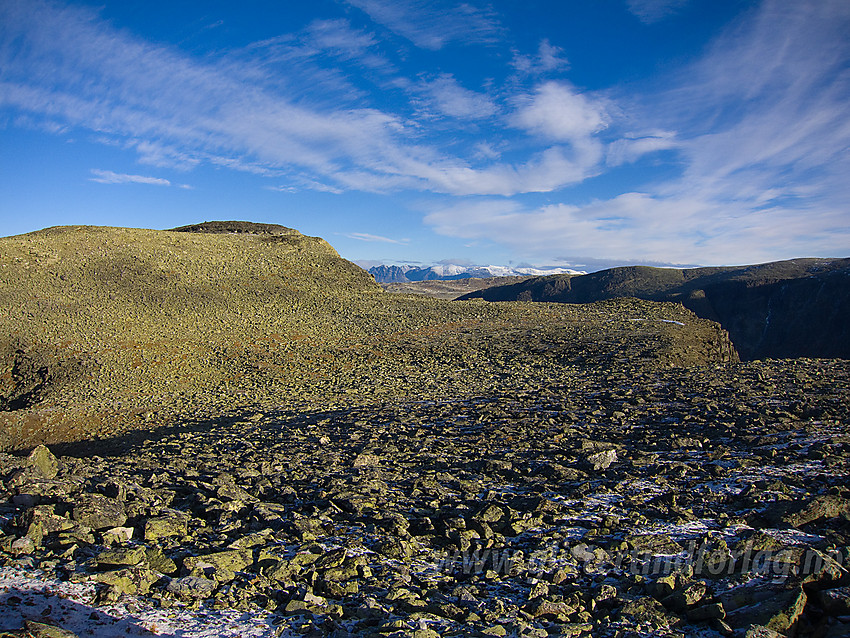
(297, 63)
(376, 238)
(77, 70)
(770, 106)
(633, 147)
(552, 169)
(110, 177)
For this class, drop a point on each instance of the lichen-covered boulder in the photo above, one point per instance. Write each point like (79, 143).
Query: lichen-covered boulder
(99, 512)
(44, 461)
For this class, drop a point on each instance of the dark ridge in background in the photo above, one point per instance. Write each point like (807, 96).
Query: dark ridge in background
(784, 309)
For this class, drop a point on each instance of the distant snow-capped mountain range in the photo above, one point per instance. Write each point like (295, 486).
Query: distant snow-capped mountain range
(402, 273)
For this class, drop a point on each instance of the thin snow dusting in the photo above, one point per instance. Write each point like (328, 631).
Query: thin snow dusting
(685, 531)
(678, 323)
(32, 595)
(795, 537)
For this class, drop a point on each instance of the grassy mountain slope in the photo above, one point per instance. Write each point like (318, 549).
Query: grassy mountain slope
(108, 329)
(792, 308)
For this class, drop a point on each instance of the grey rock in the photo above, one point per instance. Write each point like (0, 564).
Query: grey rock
(129, 580)
(542, 608)
(821, 507)
(601, 460)
(647, 610)
(711, 611)
(159, 562)
(687, 596)
(653, 544)
(191, 587)
(366, 459)
(99, 512)
(222, 565)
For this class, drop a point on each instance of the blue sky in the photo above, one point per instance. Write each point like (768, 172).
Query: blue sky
(563, 132)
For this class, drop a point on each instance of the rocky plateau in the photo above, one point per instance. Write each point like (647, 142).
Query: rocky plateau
(391, 465)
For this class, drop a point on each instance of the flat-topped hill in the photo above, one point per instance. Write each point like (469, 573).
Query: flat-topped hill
(222, 228)
(108, 329)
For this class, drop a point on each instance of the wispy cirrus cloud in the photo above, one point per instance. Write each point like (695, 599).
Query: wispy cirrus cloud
(300, 183)
(77, 70)
(340, 38)
(376, 238)
(633, 146)
(764, 117)
(313, 61)
(65, 65)
(110, 177)
(431, 24)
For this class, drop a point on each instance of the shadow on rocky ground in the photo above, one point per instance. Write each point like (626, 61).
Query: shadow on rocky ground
(29, 613)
